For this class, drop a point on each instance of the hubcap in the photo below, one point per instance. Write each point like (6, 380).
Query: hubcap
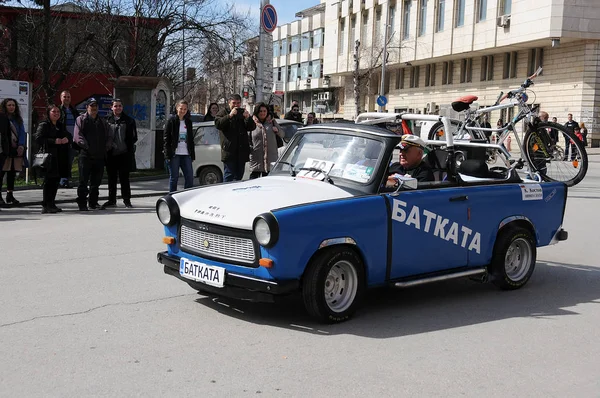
(211, 178)
(518, 259)
(341, 285)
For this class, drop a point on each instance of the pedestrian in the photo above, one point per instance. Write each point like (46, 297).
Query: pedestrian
(93, 136)
(68, 115)
(178, 147)
(584, 133)
(263, 142)
(486, 125)
(4, 141)
(53, 137)
(120, 158)
(233, 124)
(552, 133)
(15, 160)
(311, 118)
(211, 112)
(294, 113)
(570, 125)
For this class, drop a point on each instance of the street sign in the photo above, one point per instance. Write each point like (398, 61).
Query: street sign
(382, 100)
(268, 18)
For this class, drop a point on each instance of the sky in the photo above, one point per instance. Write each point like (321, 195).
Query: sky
(286, 9)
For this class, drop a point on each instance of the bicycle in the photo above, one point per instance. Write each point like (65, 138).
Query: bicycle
(545, 156)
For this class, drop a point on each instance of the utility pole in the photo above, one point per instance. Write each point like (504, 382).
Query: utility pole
(384, 59)
(183, 52)
(260, 64)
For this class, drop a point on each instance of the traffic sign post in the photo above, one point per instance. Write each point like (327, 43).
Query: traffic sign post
(268, 18)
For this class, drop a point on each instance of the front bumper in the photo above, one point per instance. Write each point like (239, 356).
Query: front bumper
(237, 286)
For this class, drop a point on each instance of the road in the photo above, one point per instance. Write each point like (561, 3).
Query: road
(87, 311)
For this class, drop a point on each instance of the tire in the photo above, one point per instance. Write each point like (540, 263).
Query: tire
(514, 258)
(559, 163)
(210, 175)
(333, 285)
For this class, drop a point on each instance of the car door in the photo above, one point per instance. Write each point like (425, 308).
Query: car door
(429, 231)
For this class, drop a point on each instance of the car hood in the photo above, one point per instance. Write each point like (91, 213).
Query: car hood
(237, 204)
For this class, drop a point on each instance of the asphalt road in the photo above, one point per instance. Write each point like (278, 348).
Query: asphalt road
(87, 311)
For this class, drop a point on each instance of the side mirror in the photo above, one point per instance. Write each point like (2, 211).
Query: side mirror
(406, 182)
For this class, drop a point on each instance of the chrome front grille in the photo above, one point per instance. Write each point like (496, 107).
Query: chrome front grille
(216, 245)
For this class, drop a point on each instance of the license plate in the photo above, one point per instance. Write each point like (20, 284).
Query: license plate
(214, 276)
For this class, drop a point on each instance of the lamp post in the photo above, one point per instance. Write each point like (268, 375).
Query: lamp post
(384, 61)
(183, 53)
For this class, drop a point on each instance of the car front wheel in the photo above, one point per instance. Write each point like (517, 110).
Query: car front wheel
(333, 284)
(514, 258)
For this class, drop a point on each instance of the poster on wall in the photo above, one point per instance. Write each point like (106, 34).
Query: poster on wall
(20, 91)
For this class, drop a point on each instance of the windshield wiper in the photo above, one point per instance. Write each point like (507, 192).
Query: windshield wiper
(315, 169)
(292, 171)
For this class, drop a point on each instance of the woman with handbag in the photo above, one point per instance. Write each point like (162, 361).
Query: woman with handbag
(263, 142)
(15, 161)
(54, 140)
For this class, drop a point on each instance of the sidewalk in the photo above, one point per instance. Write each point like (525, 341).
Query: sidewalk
(139, 189)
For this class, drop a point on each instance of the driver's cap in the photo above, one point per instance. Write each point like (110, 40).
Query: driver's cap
(412, 140)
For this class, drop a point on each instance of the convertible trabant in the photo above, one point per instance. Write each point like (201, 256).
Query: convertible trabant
(324, 224)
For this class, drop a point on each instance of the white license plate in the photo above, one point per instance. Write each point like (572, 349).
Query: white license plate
(214, 276)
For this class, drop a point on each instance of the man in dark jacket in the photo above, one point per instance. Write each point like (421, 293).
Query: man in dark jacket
(294, 114)
(233, 125)
(119, 159)
(93, 136)
(68, 115)
(570, 125)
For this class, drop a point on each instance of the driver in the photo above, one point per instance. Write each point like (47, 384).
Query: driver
(411, 162)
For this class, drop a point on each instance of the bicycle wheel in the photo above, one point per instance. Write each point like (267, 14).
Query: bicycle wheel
(564, 161)
(437, 132)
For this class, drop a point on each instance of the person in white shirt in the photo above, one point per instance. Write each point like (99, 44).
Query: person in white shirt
(179, 147)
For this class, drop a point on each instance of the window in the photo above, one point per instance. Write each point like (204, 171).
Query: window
(439, 18)
(447, 72)
(422, 17)
(377, 24)
(466, 70)
(294, 72)
(352, 31)
(363, 28)
(317, 40)
(536, 59)
(507, 116)
(317, 70)
(430, 75)
(305, 41)
(279, 74)
(414, 77)
(341, 36)
(295, 47)
(386, 84)
(399, 79)
(392, 19)
(481, 10)
(284, 47)
(276, 49)
(505, 7)
(487, 68)
(510, 65)
(460, 12)
(289, 73)
(406, 19)
(304, 66)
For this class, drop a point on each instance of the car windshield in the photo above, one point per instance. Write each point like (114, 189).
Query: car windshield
(322, 155)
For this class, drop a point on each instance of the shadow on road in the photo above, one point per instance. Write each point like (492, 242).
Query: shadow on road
(389, 313)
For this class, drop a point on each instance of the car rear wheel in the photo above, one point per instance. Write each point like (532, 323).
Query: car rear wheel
(210, 175)
(333, 285)
(514, 258)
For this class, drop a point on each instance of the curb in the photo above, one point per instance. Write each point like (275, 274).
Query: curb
(137, 179)
(100, 198)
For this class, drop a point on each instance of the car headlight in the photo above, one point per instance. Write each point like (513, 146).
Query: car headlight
(167, 210)
(266, 229)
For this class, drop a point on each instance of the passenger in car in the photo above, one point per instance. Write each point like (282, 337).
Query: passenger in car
(410, 163)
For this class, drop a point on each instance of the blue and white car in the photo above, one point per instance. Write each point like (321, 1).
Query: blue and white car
(324, 225)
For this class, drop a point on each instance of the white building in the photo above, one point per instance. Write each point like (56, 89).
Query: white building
(439, 50)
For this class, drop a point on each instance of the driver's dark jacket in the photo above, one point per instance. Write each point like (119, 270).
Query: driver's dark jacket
(422, 172)
(233, 133)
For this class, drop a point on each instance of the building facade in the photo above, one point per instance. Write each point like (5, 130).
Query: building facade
(438, 50)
